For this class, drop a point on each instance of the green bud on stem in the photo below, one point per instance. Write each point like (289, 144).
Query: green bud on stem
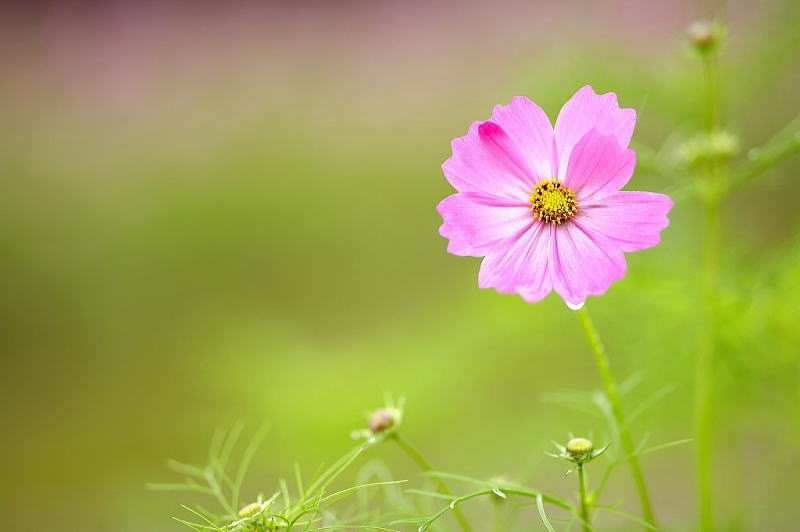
(579, 448)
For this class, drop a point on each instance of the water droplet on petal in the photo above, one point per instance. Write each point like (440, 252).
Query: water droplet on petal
(575, 306)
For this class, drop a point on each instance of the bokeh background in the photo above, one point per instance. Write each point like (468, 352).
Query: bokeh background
(222, 211)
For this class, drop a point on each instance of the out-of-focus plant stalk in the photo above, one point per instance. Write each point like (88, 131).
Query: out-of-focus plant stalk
(759, 160)
(710, 73)
(612, 394)
(587, 527)
(763, 159)
(713, 183)
(499, 508)
(426, 466)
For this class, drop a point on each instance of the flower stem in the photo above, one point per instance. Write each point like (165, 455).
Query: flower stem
(711, 91)
(441, 485)
(499, 516)
(704, 376)
(704, 380)
(616, 409)
(760, 160)
(587, 527)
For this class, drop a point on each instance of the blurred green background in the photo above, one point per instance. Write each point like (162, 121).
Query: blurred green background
(226, 212)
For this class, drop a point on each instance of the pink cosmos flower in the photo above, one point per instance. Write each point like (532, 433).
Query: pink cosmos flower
(543, 205)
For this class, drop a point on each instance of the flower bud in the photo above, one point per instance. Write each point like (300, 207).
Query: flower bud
(705, 35)
(719, 146)
(579, 448)
(723, 144)
(701, 33)
(380, 421)
(250, 510)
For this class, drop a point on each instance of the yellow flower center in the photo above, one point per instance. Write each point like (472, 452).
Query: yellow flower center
(553, 203)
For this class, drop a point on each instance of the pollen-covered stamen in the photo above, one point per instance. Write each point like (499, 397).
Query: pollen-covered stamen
(553, 203)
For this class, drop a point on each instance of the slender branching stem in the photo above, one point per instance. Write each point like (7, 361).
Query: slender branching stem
(711, 91)
(585, 503)
(500, 510)
(713, 182)
(441, 485)
(762, 159)
(704, 385)
(759, 160)
(626, 440)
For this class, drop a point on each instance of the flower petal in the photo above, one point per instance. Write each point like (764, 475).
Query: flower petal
(528, 125)
(633, 220)
(473, 222)
(519, 262)
(598, 166)
(543, 285)
(487, 160)
(585, 111)
(585, 263)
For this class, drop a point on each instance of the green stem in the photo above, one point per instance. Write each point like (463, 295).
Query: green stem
(587, 527)
(616, 409)
(711, 91)
(704, 375)
(500, 510)
(441, 485)
(759, 160)
(704, 380)
(763, 159)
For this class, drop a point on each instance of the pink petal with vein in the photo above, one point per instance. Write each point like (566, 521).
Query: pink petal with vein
(585, 263)
(486, 160)
(585, 111)
(598, 166)
(633, 220)
(519, 260)
(532, 132)
(473, 222)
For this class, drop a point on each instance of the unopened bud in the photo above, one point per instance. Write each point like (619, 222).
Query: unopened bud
(723, 144)
(579, 448)
(250, 510)
(705, 35)
(718, 146)
(380, 421)
(701, 33)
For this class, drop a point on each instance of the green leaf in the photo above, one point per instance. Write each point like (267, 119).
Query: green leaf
(353, 527)
(244, 464)
(626, 515)
(432, 494)
(185, 469)
(540, 507)
(361, 486)
(179, 487)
